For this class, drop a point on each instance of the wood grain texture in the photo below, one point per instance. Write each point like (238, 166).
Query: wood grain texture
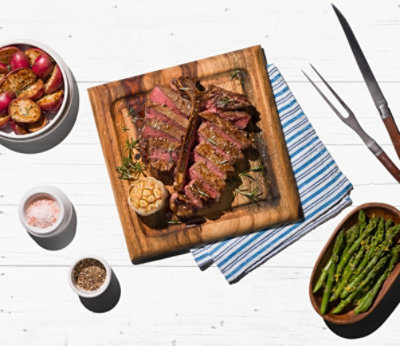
(348, 316)
(280, 202)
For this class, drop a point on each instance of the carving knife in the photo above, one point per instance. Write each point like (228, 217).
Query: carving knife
(373, 87)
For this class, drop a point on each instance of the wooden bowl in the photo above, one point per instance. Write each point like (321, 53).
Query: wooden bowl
(348, 316)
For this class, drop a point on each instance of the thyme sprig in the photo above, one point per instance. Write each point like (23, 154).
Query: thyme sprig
(174, 222)
(223, 101)
(124, 128)
(252, 195)
(131, 145)
(235, 75)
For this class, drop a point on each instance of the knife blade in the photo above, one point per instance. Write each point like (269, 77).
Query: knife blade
(373, 86)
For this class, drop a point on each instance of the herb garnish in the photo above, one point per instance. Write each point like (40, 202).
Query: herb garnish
(124, 128)
(174, 222)
(235, 75)
(203, 193)
(211, 140)
(133, 114)
(258, 168)
(253, 195)
(130, 168)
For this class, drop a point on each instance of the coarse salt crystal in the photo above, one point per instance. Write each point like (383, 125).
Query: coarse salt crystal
(42, 212)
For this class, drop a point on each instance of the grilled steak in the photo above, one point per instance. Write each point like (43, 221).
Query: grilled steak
(197, 135)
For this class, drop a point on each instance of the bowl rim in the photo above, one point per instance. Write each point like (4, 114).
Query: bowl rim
(60, 62)
(357, 318)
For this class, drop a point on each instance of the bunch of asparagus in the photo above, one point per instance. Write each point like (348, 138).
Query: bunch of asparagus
(363, 257)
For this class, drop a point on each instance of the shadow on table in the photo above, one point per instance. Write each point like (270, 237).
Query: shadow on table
(62, 240)
(53, 138)
(106, 301)
(374, 320)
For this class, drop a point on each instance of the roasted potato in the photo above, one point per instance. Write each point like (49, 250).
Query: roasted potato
(18, 80)
(43, 66)
(55, 81)
(38, 125)
(6, 53)
(24, 110)
(4, 120)
(51, 103)
(32, 54)
(34, 91)
(18, 60)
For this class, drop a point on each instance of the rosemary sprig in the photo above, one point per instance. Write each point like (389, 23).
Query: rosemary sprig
(124, 128)
(211, 140)
(131, 145)
(252, 195)
(174, 222)
(259, 168)
(133, 114)
(223, 162)
(224, 101)
(203, 193)
(129, 169)
(235, 75)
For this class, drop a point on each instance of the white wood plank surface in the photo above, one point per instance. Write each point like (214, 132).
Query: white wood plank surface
(170, 301)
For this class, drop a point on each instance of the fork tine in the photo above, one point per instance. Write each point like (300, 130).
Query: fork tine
(332, 91)
(325, 98)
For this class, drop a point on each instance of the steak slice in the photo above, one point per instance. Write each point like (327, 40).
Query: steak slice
(206, 151)
(212, 135)
(224, 99)
(163, 127)
(239, 119)
(200, 171)
(160, 153)
(167, 97)
(227, 130)
(167, 115)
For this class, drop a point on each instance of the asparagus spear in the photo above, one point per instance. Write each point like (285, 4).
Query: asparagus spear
(372, 274)
(331, 272)
(360, 277)
(356, 244)
(369, 298)
(378, 237)
(322, 277)
(388, 223)
(362, 220)
(348, 272)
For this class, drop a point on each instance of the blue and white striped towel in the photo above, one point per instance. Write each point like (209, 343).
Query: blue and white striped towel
(324, 192)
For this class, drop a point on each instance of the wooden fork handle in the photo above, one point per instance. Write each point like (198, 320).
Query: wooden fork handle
(393, 133)
(389, 165)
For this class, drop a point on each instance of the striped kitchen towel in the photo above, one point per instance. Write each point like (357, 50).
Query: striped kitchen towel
(324, 192)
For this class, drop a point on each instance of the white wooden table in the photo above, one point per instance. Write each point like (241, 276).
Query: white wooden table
(171, 302)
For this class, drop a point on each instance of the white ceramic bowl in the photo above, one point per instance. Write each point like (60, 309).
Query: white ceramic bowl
(65, 205)
(7, 133)
(101, 289)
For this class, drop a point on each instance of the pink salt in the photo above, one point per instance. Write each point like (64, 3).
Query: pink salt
(42, 212)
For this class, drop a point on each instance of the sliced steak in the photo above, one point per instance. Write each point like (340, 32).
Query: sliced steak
(167, 115)
(206, 151)
(212, 135)
(160, 153)
(163, 127)
(227, 130)
(239, 119)
(200, 171)
(224, 99)
(167, 97)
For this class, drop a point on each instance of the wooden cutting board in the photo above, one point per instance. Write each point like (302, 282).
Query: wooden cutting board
(278, 202)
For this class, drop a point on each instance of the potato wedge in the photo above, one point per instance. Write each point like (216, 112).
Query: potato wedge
(32, 54)
(38, 125)
(18, 129)
(18, 80)
(51, 103)
(55, 81)
(3, 68)
(6, 53)
(24, 110)
(4, 120)
(34, 91)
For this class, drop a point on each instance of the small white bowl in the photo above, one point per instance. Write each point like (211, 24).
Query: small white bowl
(63, 202)
(66, 107)
(89, 294)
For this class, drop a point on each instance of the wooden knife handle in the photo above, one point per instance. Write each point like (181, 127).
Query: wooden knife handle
(393, 133)
(390, 166)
